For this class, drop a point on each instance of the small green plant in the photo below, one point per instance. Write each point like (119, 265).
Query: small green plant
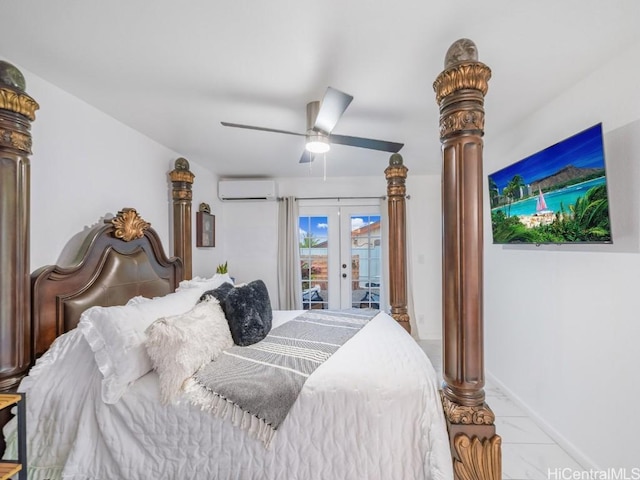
(222, 268)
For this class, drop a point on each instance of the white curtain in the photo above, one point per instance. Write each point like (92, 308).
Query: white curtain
(289, 273)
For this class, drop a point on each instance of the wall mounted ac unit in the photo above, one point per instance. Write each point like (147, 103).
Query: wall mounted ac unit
(247, 190)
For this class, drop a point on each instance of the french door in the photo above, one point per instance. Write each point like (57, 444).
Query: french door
(341, 256)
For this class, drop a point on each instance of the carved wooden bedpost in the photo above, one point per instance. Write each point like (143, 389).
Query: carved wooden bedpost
(17, 111)
(396, 174)
(182, 179)
(460, 91)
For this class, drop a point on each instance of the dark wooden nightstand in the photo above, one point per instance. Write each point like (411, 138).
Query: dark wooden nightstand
(9, 468)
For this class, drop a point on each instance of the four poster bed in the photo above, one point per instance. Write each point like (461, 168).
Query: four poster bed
(99, 398)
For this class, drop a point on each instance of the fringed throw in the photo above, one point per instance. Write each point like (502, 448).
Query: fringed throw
(254, 387)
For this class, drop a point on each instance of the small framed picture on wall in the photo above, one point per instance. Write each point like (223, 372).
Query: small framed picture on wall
(205, 230)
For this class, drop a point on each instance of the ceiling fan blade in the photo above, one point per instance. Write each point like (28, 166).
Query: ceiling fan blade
(307, 157)
(369, 143)
(263, 129)
(332, 107)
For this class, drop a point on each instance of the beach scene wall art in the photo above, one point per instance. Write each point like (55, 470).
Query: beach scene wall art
(558, 195)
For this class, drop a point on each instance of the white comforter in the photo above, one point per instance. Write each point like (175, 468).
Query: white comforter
(371, 411)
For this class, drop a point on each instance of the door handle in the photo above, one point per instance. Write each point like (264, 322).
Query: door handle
(344, 275)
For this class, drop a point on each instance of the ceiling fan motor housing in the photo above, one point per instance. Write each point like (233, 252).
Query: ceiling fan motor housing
(312, 113)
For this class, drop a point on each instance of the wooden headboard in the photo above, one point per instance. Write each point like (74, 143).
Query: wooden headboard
(117, 260)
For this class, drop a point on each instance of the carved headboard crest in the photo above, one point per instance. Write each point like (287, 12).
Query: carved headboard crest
(128, 225)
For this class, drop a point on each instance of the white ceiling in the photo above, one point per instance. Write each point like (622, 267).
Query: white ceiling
(174, 70)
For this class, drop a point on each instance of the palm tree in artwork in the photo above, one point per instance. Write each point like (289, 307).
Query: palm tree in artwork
(591, 213)
(511, 189)
(494, 193)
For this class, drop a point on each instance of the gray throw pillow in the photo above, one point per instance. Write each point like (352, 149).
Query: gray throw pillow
(247, 309)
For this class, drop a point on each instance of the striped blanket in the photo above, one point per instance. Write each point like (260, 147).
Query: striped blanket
(255, 386)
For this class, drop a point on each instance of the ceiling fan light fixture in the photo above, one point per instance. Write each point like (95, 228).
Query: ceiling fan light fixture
(317, 143)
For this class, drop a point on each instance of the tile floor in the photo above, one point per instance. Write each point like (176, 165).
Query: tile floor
(527, 451)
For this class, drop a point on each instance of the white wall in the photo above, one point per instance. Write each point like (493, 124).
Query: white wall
(250, 236)
(205, 189)
(562, 329)
(86, 165)
(424, 229)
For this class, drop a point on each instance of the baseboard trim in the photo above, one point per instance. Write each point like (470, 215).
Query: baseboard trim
(577, 454)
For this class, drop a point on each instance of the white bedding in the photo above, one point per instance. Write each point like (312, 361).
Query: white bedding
(372, 411)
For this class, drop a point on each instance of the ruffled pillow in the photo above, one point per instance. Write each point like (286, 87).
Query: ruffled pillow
(116, 336)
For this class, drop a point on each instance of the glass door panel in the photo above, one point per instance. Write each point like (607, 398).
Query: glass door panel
(362, 251)
(340, 257)
(314, 261)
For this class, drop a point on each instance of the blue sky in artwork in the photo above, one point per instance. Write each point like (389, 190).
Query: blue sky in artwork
(583, 150)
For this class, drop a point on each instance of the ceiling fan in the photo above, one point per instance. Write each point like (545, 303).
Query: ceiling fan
(322, 118)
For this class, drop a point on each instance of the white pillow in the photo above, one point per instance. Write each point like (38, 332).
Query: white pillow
(205, 283)
(138, 299)
(116, 336)
(179, 345)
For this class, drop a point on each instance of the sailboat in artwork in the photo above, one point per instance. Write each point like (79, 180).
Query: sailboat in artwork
(541, 204)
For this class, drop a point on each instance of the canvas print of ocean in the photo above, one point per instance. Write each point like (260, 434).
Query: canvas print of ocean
(558, 195)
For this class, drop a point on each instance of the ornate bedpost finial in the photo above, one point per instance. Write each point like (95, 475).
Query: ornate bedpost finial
(12, 92)
(396, 174)
(182, 178)
(463, 50)
(181, 164)
(395, 160)
(11, 76)
(462, 71)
